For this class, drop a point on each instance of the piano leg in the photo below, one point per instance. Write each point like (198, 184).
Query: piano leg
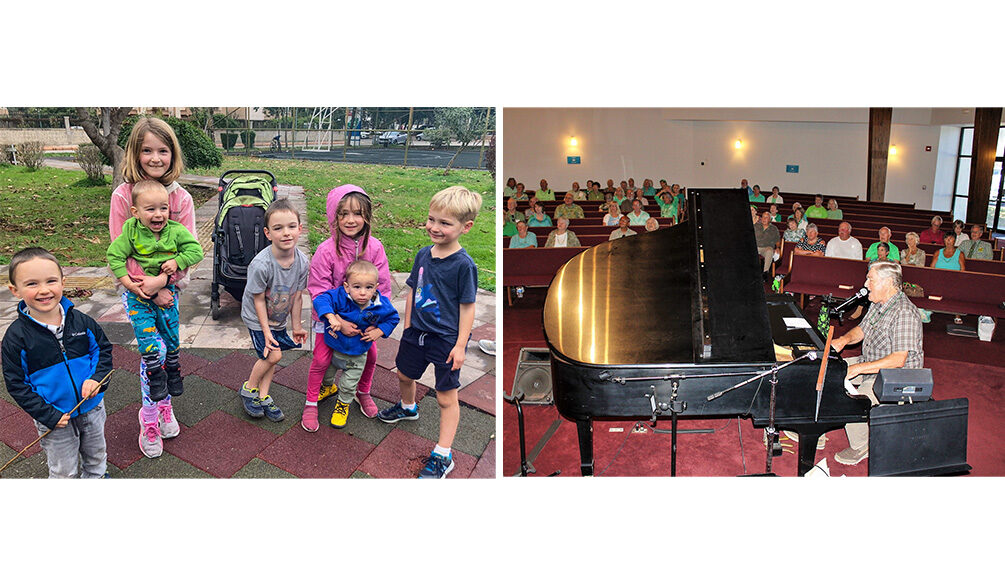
(585, 428)
(807, 452)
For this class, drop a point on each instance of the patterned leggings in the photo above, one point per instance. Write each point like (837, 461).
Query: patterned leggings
(157, 335)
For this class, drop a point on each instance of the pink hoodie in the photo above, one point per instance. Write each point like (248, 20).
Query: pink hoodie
(328, 264)
(181, 208)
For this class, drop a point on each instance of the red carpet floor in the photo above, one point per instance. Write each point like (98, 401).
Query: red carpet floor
(961, 367)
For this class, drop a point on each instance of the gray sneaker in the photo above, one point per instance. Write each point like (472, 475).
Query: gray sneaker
(851, 456)
(151, 443)
(168, 423)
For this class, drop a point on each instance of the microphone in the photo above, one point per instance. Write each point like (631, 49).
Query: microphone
(862, 293)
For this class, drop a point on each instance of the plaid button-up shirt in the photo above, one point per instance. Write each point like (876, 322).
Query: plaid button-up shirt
(891, 327)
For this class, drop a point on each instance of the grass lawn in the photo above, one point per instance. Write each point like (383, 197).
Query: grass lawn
(401, 200)
(60, 211)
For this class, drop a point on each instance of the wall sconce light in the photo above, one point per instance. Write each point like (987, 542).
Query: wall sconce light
(573, 141)
(738, 144)
(893, 150)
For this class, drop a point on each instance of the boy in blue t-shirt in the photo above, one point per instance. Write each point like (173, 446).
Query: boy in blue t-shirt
(438, 319)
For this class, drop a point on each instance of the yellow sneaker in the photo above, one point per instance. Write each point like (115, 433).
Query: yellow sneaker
(340, 415)
(327, 391)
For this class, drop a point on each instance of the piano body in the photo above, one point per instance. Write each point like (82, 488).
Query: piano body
(637, 322)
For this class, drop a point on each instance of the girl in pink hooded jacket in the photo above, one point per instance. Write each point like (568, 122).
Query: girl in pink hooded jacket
(349, 219)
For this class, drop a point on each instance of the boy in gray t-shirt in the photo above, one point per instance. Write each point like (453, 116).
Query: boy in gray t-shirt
(277, 280)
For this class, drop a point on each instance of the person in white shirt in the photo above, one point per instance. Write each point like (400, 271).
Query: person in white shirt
(844, 245)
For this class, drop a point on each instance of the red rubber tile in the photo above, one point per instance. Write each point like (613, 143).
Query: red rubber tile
(387, 350)
(385, 386)
(294, 376)
(122, 431)
(486, 467)
(8, 409)
(191, 363)
(124, 358)
(17, 431)
(327, 453)
(401, 454)
(230, 371)
(481, 394)
(220, 444)
(486, 331)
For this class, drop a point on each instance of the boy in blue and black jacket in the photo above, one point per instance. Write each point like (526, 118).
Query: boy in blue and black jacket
(55, 357)
(358, 302)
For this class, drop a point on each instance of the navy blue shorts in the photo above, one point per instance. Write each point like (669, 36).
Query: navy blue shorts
(281, 337)
(418, 349)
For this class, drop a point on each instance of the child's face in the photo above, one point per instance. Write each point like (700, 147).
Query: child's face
(155, 157)
(361, 288)
(39, 283)
(350, 219)
(443, 228)
(883, 253)
(283, 230)
(152, 209)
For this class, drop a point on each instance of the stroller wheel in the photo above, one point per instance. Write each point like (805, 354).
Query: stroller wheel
(214, 309)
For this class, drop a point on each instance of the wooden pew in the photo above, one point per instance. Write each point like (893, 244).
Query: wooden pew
(533, 266)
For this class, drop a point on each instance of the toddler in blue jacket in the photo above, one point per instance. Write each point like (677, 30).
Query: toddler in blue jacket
(358, 302)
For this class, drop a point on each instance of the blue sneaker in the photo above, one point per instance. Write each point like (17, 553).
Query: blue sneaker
(437, 467)
(253, 406)
(396, 413)
(271, 410)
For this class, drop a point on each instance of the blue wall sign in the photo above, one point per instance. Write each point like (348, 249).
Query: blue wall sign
(572, 160)
(791, 168)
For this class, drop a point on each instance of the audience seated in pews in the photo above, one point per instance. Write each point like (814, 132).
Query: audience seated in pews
(884, 238)
(622, 230)
(569, 209)
(811, 244)
(775, 216)
(974, 247)
(793, 234)
(523, 237)
(539, 219)
(619, 196)
(511, 214)
(561, 237)
(844, 245)
(610, 186)
(949, 257)
(775, 197)
(800, 216)
(544, 193)
(958, 229)
(933, 235)
(882, 253)
(608, 199)
(755, 217)
(593, 193)
(577, 194)
(745, 185)
(613, 215)
(637, 216)
(510, 187)
(647, 188)
(913, 255)
(756, 196)
(832, 210)
(817, 210)
(668, 205)
(768, 242)
(520, 195)
(652, 225)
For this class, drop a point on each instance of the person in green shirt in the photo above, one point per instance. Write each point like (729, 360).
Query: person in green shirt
(577, 194)
(619, 195)
(832, 210)
(773, 210)
(774, 197)
(668, 205)
(647, 188)
(510, 187)
(538, 218)
(520, 195)
(817, 210)
(569, 209)
(594, 194)
(884, 237)
(756, 196)
(544, 193)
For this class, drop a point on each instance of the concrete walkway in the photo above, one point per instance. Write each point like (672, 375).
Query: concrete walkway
(217, 438)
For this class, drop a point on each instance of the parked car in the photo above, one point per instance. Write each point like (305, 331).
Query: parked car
(392, 137)
(426, 133)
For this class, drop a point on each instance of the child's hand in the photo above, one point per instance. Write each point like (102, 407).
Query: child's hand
(169, 267)
(299, 333)
(63, 421)
(333, 324)
(457, 357)
(371, 334)
(270, 342)
(136, 290)
(164, 299)
(349, 329)
(152, 284)
(89, 388)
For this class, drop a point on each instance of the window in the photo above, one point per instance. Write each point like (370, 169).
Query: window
(961, 193)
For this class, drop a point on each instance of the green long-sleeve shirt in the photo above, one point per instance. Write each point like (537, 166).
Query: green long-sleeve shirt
(139, 242)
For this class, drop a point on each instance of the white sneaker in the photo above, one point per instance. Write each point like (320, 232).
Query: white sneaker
(168, 424)
(487, 345)
(150, 440)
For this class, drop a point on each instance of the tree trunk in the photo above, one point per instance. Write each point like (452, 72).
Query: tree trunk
(107, 138)
(446, 171)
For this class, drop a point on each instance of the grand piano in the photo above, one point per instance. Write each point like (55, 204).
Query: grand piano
(660, 324)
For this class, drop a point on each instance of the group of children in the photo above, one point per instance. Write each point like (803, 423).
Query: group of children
(55, 358)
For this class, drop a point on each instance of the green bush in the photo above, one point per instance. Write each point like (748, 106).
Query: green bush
(197, 149)
(228, 139)
(89, 159)
(248, 138)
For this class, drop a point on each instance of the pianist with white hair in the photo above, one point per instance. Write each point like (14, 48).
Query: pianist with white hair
(891, 337)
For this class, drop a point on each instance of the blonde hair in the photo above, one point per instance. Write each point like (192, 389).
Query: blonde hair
(459, 202)
(362, 268)
(146, 186)
(132, 172)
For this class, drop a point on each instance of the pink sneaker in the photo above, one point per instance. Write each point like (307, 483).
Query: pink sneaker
(366, 404)
(151, 444)
(310, 419)
(168, 423)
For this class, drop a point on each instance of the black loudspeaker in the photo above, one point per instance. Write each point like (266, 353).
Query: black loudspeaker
(532, 383)
(924, 438)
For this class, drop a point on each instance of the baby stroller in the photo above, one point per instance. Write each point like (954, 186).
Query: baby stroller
(238, 232)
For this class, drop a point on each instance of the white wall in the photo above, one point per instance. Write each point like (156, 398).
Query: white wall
(619, 142)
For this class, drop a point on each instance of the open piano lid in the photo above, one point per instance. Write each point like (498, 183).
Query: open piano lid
(691, 293)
